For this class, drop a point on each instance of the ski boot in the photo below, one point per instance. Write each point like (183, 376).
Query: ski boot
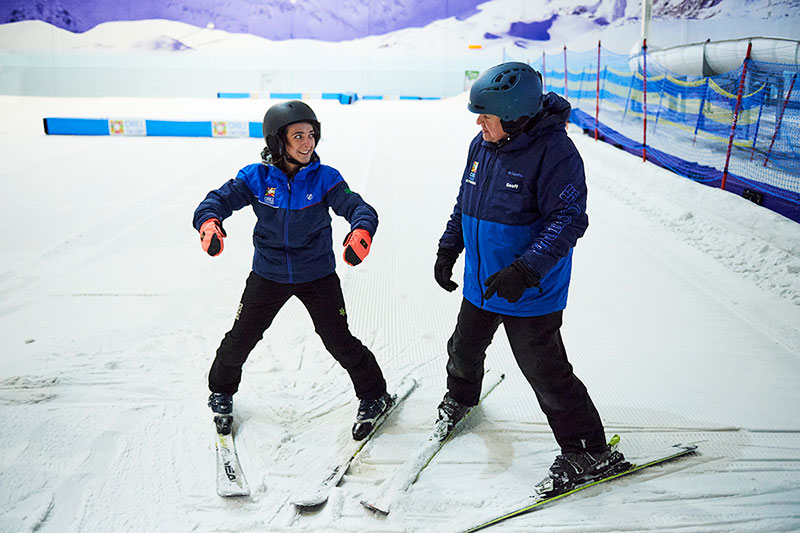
(222, 406)
(450, 412)
(369, 411)
(572, 469)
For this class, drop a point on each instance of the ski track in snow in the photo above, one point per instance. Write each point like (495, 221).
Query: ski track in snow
(683, 322)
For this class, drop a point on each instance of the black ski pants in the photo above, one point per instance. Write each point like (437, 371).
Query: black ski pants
(260, 303)
(541, 356)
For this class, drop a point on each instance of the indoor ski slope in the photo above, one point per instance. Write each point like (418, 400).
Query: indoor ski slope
(683, 321)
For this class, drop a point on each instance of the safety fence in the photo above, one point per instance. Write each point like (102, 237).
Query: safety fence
(739, 131)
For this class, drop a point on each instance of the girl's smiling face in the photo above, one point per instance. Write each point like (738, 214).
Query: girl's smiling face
(300, 142)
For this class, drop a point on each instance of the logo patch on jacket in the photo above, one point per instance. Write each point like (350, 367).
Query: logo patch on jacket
(513, 181)
(269, 196)
(569, 194)
(472, 172)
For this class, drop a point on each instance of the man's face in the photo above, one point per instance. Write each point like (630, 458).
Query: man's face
(491, 128)
(300, 141)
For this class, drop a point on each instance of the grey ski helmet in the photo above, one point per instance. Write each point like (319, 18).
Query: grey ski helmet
(509, 90)
(279, 116)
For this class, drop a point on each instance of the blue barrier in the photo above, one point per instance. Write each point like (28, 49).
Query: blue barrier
(151, 128)
(287, 96)
(191, 128)
(75, 126)
(398, 97)
(343, 98)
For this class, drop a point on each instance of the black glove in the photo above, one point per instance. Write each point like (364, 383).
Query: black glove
(511, 282)
(443, 269)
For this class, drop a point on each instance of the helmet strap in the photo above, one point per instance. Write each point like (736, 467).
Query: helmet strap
(292, 160)
(266, 156)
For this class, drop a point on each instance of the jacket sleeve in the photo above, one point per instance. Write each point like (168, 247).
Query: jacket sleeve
(350, 205)
(221, 203)
(453, 236)
(561, 196)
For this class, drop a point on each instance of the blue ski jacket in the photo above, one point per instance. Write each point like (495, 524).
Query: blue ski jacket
(525, 199)
(293, 234)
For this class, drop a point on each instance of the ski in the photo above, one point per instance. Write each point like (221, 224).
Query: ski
(537, 502)
(408, 473)
(317, 495)
(230, 478)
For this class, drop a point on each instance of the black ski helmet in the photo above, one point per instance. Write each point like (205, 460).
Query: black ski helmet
(509, 90)
(279, 116)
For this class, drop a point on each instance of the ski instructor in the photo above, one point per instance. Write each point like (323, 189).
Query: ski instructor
(291, 194)
(520, 209)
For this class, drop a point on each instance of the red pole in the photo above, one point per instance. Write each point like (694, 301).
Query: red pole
(780, 119)
(597, 99)
(544, 72)
(735, 116)
(644, 133)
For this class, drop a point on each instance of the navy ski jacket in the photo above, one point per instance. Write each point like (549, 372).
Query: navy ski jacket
(293, 235)
(525, 199)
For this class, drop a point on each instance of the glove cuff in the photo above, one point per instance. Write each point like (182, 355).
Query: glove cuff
(358, 233)
(530, 277)
(447, 253)
(216, 222)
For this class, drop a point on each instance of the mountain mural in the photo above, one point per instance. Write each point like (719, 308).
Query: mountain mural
(272, 19)
(343, 20)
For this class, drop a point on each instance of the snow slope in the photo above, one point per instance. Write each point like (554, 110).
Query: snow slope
(683, 321)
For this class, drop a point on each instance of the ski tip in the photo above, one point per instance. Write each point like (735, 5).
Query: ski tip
(374, 508)
(234, 493)
(688, 447)
(308, 504)
(405, 387)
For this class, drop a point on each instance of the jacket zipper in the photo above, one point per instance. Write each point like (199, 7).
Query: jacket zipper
(483, 190)
(286, 230)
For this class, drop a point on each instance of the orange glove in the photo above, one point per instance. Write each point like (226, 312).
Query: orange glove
(211, 235)
(356, 246)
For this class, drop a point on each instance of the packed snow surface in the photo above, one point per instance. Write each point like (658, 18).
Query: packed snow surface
(683, 321)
